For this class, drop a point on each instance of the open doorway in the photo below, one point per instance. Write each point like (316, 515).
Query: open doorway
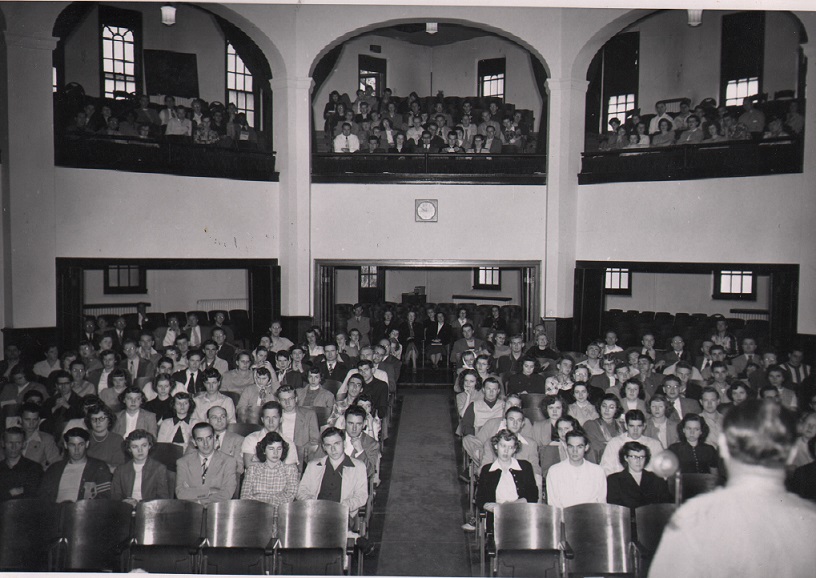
(114, 287)
(417, 284)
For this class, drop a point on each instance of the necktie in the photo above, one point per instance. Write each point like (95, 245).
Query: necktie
(204, 467)
(130, 368)
(218, 442)
(347, 143)
(191, 383)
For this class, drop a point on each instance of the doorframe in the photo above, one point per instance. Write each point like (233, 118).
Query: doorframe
(589, 298)
(263, 288)
(324, 285)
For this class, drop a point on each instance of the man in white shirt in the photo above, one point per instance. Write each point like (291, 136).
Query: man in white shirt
(271, 413)
(211, 358)
(278, 342)
(635, 425)
(346, 142)
(654, 124)
(575, 480)
(195, 332)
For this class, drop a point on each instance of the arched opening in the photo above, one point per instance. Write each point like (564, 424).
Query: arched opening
(660, 67)
(109, 57)
(380, 79)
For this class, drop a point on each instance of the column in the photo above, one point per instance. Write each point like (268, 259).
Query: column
(293, 145)
(28, 184)
(566, 125)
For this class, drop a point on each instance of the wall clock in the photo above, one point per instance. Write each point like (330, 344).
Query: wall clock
(426, 210)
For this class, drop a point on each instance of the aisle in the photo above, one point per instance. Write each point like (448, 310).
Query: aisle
(422, 534)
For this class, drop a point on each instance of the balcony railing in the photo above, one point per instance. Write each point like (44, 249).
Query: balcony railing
(697, 161)
(358, 167)
(121, 153)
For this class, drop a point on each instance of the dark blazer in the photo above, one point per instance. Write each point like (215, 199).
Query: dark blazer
(338, 373)
(495, 146)
(181, 377)
(377, 390)
(622, 490)
(26, 474)
(405, 332)
(444, 335)
(154, 481)
(227, 353)
(525, 484)
(803, 481)
(94, 485)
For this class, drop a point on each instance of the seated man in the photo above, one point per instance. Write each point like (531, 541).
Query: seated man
(63, 406)
(468, 341)
(39, 446)
(336, 476)
(358, 444)
(576, 480)
(761, 526)
(635, 424)
(211, 359)
(206, 475)
(226, 442)
(478, 413)
(77, 477)
(19, 476)
(514, 422)
(372, 146)
(346, 142)
(314, 395)
(298, 424)
(271, 413)
(679, 405)
(492, 142)
(19, 384)
(212, 397)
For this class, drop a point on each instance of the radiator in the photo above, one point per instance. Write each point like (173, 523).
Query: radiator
(225, 304)
(108, 309)
(749, 315)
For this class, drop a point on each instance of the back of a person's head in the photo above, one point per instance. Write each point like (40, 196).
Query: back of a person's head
(759, 432)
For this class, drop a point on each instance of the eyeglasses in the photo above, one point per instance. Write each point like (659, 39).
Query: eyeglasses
(99, 419)
(636, 457)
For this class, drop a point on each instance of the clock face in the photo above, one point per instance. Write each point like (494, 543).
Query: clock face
(426, 210)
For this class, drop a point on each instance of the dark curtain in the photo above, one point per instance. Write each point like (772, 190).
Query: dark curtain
(250, 53)
(541, 80)
(321, 73)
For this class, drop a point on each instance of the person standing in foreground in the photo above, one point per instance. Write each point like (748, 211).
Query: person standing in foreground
(752, 527)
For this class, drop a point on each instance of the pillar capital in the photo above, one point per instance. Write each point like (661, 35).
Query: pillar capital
(10, 39)
(565, 84)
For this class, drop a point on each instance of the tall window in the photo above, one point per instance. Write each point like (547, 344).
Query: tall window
(491, 77)
(618, 281)
(372, 72)
(742, 51)
(732, 284)
(239, 85)
(613, 75)
(619, 105)
(121, 50)
(487, 278)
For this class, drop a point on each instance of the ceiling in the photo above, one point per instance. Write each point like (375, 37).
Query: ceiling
(415, 34)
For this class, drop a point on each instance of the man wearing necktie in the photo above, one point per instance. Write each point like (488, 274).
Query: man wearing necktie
(190, 379)
(346, 142)
(206, 475)
(749, 355)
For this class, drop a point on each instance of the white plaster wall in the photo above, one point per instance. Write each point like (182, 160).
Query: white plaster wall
(195, 32)
(173, 290)
(683, 293)
(441, 284)
(740, 220)
(347, 285)
(132, 215)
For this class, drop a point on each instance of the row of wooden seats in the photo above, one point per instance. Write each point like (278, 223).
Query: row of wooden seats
(587, 539)
(175, 536)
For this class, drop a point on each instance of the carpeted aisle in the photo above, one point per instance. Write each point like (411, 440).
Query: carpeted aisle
(422, 534)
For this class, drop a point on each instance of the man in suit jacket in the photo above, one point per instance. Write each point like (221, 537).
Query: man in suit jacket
(298, 424)
(207, 475)
(89, 331)
(191, 379)
(119, 333)
(678, 406)
(95, 480)
(330, 366)
(146, 349)
(140, 369)
(285, 374)
(359, 445)
(219, 321)
(198, 334)
(346, 472)
(492, 142)
(425, 144)
(226, 442)
(166, 336)
(380, 356)
(676, 353)
(225, 350)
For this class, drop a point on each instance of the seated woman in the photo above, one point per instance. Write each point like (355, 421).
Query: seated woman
(373, 424)
(178, 429)
(238, 379)
(161, 405)
(666, 135)
(312, 345)
(104, 444)
(582, 409)
(632, 396)
(134, 416)
(348, 354)
(141, 478)
(506, 480)
(478, 145)
(271, 481)
(642, 132)
(118, 381)
(658, 426)
(712, 132)
(355, 388)
(603, 429)
(694, 134)
(387, 134)
(470, 386)
(561, 383)
(205, 134)
(554, 450)
(696, 456)
(254, 396)
(543, 353)
(634, 486)
(410, 335)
